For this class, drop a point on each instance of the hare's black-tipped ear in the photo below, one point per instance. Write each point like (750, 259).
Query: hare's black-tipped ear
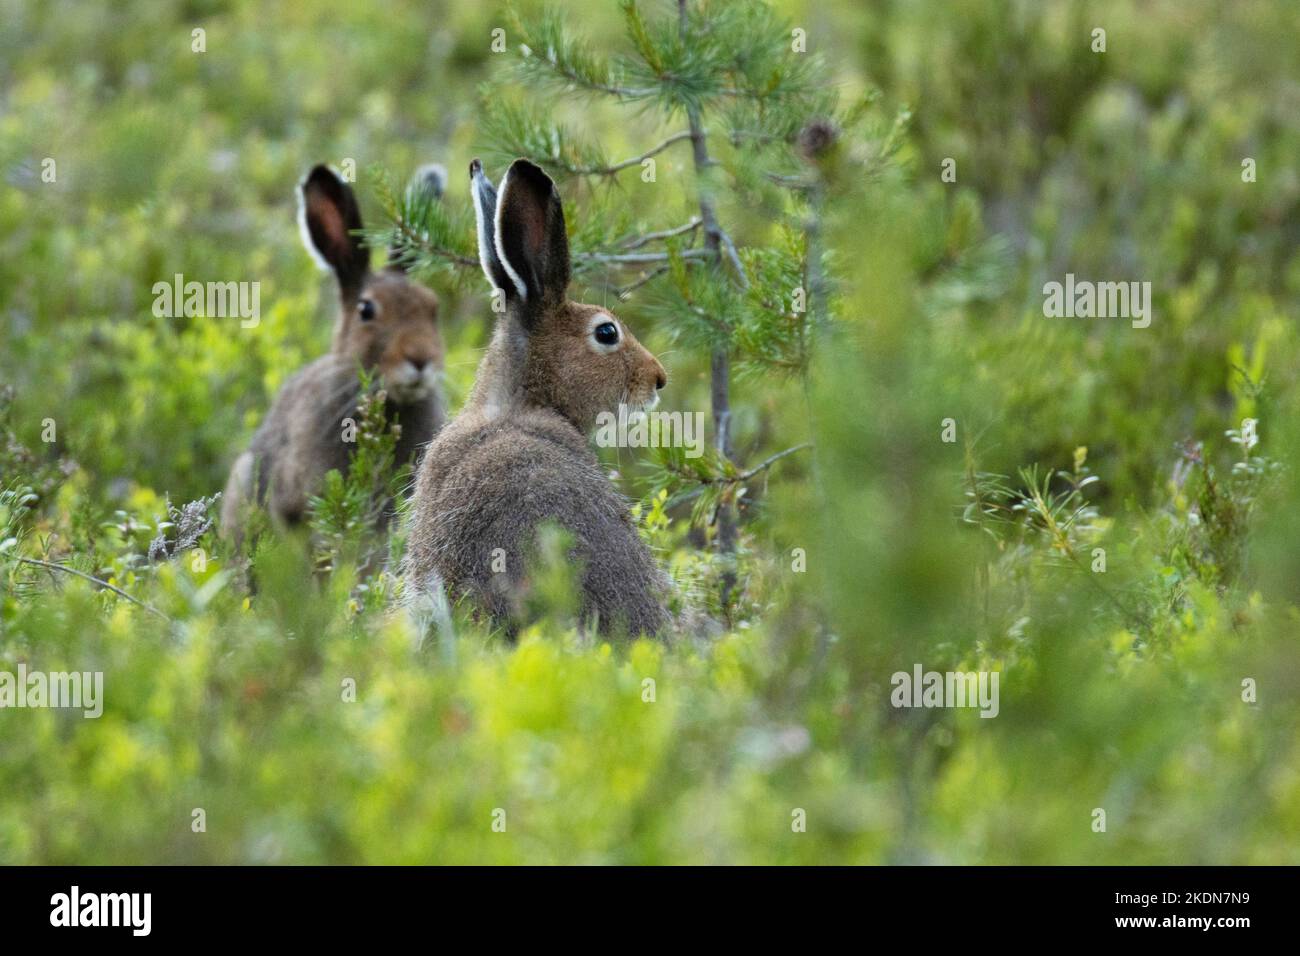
(427, 185)
(430, 178)
(531, 240)
(329, 217)
(485, 220)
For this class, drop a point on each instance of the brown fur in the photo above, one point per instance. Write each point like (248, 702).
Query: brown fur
(517, 456)
(301, 438)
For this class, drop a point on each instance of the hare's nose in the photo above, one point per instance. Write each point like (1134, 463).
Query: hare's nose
(661, 376)
(418, 363)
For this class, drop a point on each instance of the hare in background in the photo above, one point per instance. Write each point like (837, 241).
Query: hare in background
(386, 323)
(517, 455)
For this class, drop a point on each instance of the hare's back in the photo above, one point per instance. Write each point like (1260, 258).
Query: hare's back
(489, 486)
(531, 467)
(486, 488)
(301, 437)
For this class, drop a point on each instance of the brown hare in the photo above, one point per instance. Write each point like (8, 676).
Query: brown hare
(517, 455)
(386, 323)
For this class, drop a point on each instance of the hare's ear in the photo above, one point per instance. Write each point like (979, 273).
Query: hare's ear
(427, 185)
(485, 220)
(330, 218)
(531, 240)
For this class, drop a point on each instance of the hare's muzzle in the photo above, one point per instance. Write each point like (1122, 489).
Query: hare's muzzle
(651, 379)
(412, 380)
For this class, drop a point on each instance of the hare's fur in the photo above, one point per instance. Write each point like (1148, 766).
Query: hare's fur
(300, 440)
(387, 324)
(517, 457)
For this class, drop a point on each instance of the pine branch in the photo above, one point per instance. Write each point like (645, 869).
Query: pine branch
(625, 292)
(419, 241)
(649, 237)
(421, 229)
(687, 69)
(728, 246)
(711, 483)
(610, 170)
(549, 53)
(511, 129)
(762, 466)
(640, 258)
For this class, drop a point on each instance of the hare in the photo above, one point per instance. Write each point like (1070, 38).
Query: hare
(517, 455)
(386, 323)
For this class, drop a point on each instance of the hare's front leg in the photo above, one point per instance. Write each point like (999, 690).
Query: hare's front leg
(238, 493)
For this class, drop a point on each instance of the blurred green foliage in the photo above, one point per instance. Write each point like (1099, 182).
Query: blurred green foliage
(1121, 690)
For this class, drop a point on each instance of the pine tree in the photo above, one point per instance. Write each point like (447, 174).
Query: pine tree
(733, 84)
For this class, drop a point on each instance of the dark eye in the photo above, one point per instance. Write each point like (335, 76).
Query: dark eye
(606, 333)
(366, 309)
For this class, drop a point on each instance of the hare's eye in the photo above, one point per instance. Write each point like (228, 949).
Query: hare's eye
(366, 309)
(606, 333)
